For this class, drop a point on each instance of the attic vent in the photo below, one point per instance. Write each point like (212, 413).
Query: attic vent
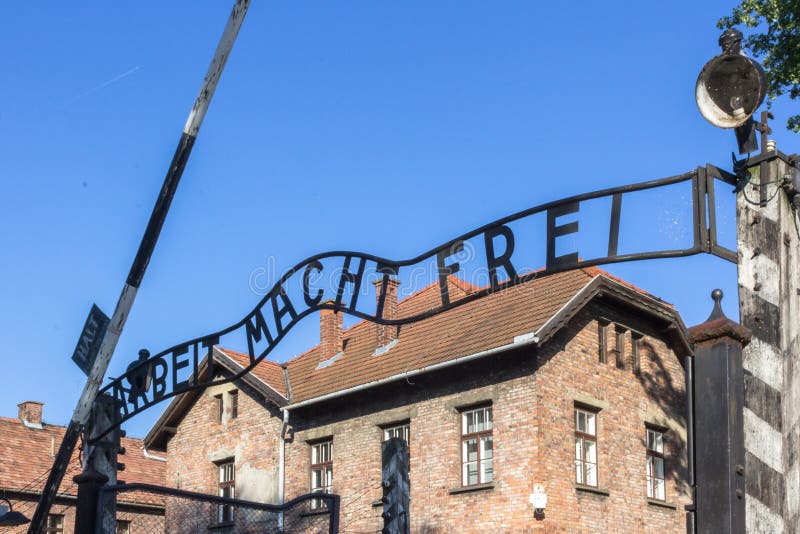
(330, 361)
(385, 348)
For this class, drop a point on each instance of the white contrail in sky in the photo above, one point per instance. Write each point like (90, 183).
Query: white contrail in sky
(106, 83)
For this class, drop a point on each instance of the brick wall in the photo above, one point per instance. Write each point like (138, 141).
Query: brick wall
(533, 439)
(533, 398)
(627, 402)
(252, 440)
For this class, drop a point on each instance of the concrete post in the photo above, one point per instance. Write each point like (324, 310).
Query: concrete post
(769, 298)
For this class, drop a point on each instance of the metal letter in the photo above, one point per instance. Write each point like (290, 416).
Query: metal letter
(504, 260)
(159, 379)
(316, 266)
(446, 270)
(254, 331)
(352, 278)
(278, 313)
(554, 231)
(613, 230)
(387, 271)
(177, 365)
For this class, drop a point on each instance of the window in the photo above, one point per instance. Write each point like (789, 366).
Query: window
(234, 398)
(220, 407)
(476, 446)
(55, 523)
(655, 464)
(585, 447)
(397, 431)
(123, 527)
(321, 469)
(227, 488)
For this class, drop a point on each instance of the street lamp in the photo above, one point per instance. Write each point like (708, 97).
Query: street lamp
(12, 518)
(730, 88)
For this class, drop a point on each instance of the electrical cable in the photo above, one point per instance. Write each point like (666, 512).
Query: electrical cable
(40, 478)
(757, 184)
(758, 203)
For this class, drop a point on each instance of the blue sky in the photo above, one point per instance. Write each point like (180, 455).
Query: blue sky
(381, 127)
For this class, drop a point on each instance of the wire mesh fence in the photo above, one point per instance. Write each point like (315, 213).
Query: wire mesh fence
(146, 509)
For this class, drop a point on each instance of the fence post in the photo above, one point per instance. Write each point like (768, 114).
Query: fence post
(718, 394)
(89, 484)
(394, 456)
(99, 467)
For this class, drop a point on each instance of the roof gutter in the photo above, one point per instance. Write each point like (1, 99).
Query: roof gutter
(519, 341)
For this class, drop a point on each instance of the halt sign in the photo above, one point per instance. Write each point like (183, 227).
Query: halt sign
(91, 337)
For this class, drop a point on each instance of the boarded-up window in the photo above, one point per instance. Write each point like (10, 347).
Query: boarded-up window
(602, 340)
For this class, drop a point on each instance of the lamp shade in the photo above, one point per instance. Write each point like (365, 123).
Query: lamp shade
(12, 518)
(729, 90)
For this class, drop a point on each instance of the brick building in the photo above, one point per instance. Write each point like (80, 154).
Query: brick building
(28, 446)
(572, 381)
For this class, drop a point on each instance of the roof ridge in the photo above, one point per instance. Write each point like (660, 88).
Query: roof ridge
(44, 423)
(432, 285)
(302, 354)
(50, 426)
(238, 353)
(594, 271)
(350, 331)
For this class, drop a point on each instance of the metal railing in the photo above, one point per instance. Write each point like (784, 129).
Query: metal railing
(160, 510)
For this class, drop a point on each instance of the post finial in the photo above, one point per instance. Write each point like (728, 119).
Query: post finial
(717, 312)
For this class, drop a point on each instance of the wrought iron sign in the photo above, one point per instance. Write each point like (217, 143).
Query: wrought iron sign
(491, 255)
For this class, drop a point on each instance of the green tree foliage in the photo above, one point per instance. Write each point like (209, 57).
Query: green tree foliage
(772, 28)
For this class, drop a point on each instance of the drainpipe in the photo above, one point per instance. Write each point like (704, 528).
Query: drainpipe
(691, 509)
(153, 456)
(282, 467)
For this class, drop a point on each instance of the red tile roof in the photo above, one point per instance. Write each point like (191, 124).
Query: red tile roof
(485, 323)
(269, 372)
(26, 456)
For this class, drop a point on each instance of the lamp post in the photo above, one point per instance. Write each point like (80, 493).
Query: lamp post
(729, 90)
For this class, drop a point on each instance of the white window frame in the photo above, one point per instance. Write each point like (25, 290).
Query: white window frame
(226, 487)
(587, 469)
(481, 434)
(654, 443)
(321, 472)
(398, 430)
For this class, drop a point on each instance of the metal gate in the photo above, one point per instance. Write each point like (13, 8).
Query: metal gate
(174, 511)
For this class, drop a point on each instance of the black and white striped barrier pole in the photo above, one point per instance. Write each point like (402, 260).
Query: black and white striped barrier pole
(140, 262)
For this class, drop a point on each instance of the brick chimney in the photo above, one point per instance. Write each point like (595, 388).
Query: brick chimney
(330, 333)
(387, 333)
(30, 413)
